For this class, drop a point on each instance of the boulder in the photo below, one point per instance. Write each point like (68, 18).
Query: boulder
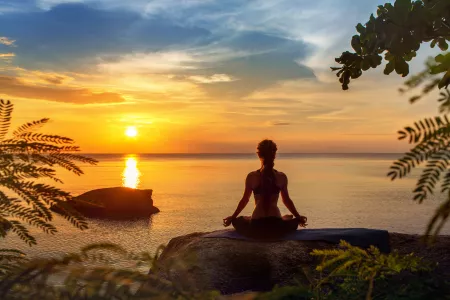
(114, 203)
(234, 266)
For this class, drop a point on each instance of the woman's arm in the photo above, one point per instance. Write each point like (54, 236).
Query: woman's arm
(242, 203)
(288, 201)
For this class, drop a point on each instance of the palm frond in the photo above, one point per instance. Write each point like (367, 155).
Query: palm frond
(22, 232)
(27, 156)
(431, 137)
(426, 129)
(46, 138)
(30, 127)
(439, 219)
(6, 109)
(436, 165)
(29, 215)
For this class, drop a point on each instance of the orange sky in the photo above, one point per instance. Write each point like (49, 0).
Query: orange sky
(199, 82)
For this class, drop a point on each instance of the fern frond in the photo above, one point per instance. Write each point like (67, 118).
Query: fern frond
(81, 280)
(22, 232)
(439, 219)
(28, 156)
(76, 157)
(437, 163)
(426, 129)
(30, 127)
(28, 191)
(416, 156)
(445, 101)
(72, 215)
(18, 171)
(28, 215)
(445, 187)
(46, 138)
(9, 259)
(5, 226)
(6, 109)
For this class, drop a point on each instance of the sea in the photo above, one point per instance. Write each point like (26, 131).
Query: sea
(196, 191)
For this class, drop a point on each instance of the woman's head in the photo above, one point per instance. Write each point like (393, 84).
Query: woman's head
(267, 150)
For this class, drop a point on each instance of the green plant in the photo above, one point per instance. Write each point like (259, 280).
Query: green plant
(90, 274)
(398, 31)
(358, 266)
(352, 273)
(25, 158)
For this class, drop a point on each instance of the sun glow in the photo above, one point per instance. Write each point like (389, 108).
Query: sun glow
(131, 131)
(131, 174)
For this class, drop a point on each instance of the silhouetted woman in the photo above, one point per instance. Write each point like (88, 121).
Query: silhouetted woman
(266, 185)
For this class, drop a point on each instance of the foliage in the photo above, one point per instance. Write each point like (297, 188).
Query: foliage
(430, 80)
(26, 157)
(91, 275)
(398, 31)
(431, 138)
(9, 258)
(357, 265)
(353, 273)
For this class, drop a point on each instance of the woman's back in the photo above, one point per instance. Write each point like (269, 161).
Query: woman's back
(266, 207)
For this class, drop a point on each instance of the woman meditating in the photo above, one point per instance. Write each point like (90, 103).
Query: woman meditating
(266, 185)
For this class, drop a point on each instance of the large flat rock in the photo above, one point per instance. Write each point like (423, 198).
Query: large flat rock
(233, 266)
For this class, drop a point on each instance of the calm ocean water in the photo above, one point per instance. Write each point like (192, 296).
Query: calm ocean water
(195, 192)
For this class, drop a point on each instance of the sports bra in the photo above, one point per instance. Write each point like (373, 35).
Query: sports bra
(258, 189)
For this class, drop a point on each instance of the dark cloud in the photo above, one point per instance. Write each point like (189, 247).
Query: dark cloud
(280, 123)
(71, 36)
(54, 79)
(13, 87)
(270, 59)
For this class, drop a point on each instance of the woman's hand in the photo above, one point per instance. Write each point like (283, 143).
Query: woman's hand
(227, 221)
(302, 221)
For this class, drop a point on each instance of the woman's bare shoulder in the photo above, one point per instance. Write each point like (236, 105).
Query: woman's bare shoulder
(252, 174)
(281, 176)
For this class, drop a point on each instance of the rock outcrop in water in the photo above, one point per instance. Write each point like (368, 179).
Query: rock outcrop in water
(114, 203)
(234, 266)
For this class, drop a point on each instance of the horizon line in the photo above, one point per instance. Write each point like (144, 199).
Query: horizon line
(230, 153)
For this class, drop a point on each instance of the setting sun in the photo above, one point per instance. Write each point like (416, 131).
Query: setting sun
(131, 131)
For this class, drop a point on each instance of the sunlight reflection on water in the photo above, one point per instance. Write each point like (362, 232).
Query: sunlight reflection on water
(131, 174)
(195, 193)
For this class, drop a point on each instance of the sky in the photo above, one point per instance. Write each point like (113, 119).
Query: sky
(199, 75)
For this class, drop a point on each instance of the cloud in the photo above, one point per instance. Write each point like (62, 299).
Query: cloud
(6, 41)
(34, 77)
(98, 37)
(159, 62)
(6, 55)
(212, 79)
(14, 87)
(72, 36)
(279, 123)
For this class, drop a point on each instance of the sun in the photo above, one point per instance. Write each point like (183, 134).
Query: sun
(131, 131)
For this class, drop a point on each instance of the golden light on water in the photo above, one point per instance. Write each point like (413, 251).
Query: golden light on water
(131, 174)
(131, 131)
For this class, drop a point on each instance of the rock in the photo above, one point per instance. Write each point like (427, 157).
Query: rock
(235, 266)
(114, 203)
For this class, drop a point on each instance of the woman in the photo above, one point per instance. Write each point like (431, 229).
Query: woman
(266, 185)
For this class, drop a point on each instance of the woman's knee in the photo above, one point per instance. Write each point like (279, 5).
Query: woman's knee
(290, 225)
(239, 221)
